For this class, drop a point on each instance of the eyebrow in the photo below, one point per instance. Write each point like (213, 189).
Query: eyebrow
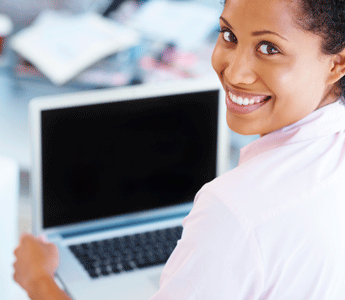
(255, 33)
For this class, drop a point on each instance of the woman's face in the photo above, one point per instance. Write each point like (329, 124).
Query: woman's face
(273, 70)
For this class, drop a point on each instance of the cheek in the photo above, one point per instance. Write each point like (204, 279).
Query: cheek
(289, 89)
(283, 79)
(298, 89)
(217, 61)
(299, 83)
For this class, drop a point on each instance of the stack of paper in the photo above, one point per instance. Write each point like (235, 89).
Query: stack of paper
(63, 45)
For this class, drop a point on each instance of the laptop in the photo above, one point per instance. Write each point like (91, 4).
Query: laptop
(115, 172)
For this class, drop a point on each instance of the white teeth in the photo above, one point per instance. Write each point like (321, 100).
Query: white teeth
(242, 101)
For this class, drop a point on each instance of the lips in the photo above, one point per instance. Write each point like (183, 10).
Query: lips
(244, 103)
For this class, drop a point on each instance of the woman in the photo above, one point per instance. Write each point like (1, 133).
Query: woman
(272, 228)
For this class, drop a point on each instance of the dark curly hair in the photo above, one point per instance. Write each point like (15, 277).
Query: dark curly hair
(325, 18)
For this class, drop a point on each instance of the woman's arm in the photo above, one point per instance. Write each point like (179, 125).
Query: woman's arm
(45, 288)
(34, 268)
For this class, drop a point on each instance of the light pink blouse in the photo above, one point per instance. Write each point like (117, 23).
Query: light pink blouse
(273, 227)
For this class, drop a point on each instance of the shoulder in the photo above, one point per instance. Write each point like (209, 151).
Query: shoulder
(281, 178)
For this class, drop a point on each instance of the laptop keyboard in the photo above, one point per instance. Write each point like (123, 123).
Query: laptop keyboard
(121, 254)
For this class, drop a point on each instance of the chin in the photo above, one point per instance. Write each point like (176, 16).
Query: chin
(243, 129)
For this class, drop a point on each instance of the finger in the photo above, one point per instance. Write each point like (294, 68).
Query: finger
(52, 247)
(28, 238)
(24, 237)
(24, 233)
(15, 277)
(15, 274)
(16, 252)
(15, 266)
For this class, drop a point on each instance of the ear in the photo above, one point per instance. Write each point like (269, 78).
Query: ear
(338, 67)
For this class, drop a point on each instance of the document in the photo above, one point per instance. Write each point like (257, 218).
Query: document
(62, 45)
(185, 23)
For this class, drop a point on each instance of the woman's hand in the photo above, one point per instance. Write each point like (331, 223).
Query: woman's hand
(35, 259)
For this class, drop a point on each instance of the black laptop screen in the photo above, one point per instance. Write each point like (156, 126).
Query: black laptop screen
(108, 159)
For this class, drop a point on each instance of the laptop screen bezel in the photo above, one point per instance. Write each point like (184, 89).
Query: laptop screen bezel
(37, 105)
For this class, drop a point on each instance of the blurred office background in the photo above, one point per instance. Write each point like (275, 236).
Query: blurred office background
(150, 60)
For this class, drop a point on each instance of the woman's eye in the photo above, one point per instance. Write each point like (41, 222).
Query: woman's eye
(268, 49)
(228, 36)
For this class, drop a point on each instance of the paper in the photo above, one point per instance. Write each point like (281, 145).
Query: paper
(185, 23)
(63, 45)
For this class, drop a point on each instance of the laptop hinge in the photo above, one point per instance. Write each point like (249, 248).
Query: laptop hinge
(81, 232)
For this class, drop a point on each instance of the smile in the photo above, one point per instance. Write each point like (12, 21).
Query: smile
(249, 100)
(244, 103)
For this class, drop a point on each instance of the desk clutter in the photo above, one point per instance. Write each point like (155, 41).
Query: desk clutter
(134, 42)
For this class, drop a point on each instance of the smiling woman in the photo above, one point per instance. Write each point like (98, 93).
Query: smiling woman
(273, 57)
(272, 228)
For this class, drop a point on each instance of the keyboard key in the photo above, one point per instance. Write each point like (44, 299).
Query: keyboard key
(142, 263)
(92, 273)
(115, 270)
(122, 254)
(105, 271)
(116, 267)
(127, 266)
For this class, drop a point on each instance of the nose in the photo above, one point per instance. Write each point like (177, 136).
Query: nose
(239, 68)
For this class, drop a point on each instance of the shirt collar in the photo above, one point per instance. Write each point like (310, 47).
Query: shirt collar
(324, 121)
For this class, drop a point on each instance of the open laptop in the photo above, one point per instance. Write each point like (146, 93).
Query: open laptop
(114, 170)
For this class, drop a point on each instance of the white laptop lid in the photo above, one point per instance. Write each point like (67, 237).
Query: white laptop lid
(120, 156)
